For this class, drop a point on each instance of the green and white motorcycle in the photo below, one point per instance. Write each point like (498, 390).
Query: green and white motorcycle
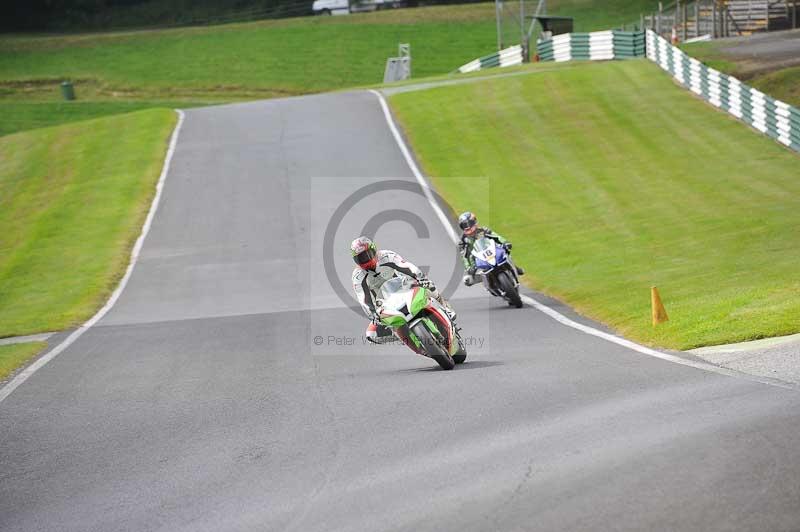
(420, 321)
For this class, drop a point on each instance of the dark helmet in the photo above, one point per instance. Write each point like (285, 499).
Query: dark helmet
(468, 223)
(365, 254)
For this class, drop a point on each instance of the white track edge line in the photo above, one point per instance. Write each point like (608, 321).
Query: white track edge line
(564, 320)
(646, 350)
(426, 188)
(25, 374)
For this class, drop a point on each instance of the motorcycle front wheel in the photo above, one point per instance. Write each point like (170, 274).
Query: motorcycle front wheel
(431, 347)
(511, 292)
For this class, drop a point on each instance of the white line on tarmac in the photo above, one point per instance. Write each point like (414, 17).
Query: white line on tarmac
(25, 374)
(41, 337)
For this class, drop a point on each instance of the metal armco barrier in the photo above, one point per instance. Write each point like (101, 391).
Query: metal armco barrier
(507, 57)
(595, 46)
(775, 118)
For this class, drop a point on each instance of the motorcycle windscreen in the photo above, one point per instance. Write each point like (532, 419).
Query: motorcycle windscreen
(392, 287)
(396, 295)
(485, 254)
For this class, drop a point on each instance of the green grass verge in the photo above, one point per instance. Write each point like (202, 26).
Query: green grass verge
(291, 56)
(21, 116)
(72, 202)
(253, 60)
(708, 52)
(16, 355)
(782, 84)
(609, 179)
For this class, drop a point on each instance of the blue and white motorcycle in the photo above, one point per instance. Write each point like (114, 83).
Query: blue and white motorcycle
(499, 275)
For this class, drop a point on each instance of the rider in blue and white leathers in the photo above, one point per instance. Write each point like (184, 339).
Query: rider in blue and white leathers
(471, 232)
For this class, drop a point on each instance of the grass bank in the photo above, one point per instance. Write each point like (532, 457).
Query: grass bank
(72, 202)
(783, 84)
(609, 179)
(15, 355)
(22, 116)
(189, 66)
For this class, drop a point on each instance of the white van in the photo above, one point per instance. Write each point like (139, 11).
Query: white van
(344, 7)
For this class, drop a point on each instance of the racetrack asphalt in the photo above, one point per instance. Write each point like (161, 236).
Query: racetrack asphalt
(229, 388)
(763, 52)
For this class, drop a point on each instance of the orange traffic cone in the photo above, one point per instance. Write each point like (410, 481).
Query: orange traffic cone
(659, 312)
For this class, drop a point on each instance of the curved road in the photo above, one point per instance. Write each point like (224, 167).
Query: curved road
(202, 402)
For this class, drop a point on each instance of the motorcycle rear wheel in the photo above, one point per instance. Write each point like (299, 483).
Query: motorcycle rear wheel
(431, 347)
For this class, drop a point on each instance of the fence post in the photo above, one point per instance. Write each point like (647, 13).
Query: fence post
(522, 23)
(766, 8)
(724, 14)
(685, 21)
(728, 25)
(658, 20)
(498, 15)
(714, 19)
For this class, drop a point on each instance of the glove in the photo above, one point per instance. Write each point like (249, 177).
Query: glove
(378, 333)
(469, 278)
(507, 245)
(426, 283)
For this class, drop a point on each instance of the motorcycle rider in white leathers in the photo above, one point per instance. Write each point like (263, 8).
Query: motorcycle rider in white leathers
(373, 268)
